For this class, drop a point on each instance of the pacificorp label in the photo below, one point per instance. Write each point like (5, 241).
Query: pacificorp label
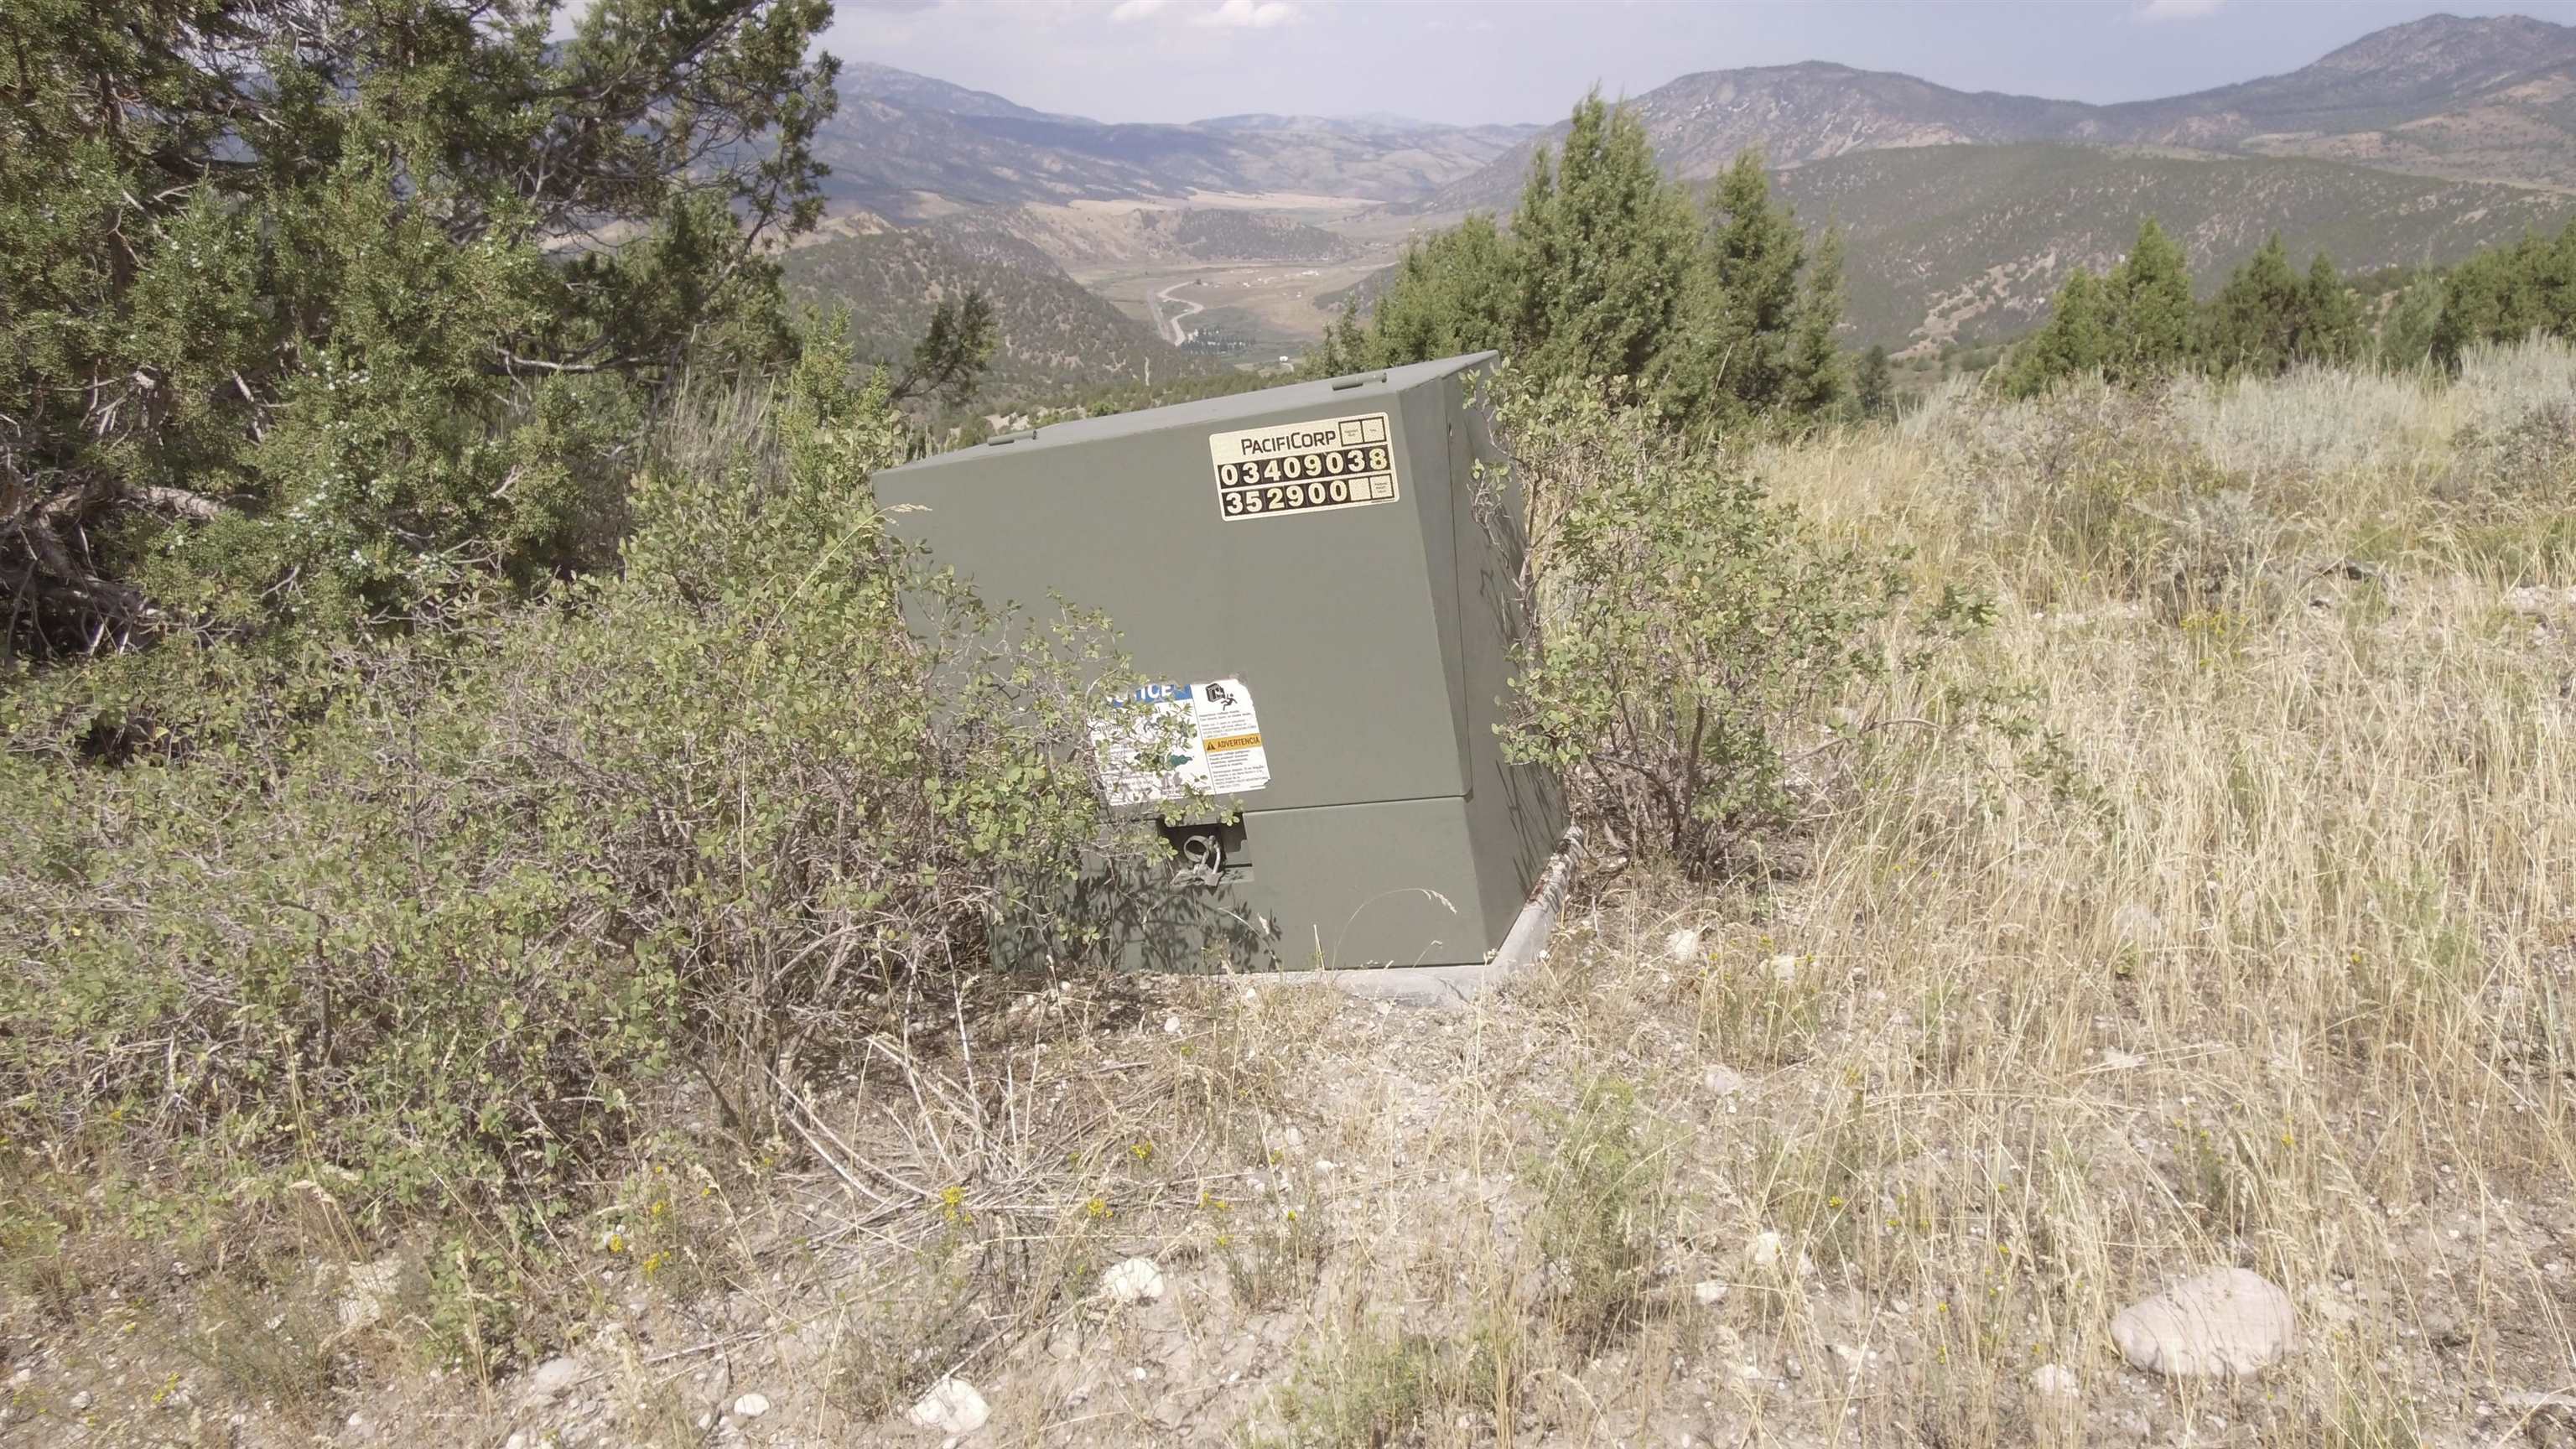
(1304, 467)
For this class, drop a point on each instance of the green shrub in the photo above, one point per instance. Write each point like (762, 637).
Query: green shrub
(1604, 1205)
(445, 913)
(1684, 628)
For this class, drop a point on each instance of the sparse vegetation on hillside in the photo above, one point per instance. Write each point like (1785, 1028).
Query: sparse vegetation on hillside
(1051, 336)
(1969, 243)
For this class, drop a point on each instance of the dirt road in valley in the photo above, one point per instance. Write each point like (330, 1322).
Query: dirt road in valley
(1170, 326)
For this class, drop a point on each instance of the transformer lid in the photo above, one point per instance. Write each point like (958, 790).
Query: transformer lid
(1207, 412)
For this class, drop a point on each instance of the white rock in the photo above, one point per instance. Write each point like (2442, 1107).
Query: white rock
(1784, 967)
(554, 1376)
(951, 1407)
(2056, 1381)
(1724, 1081)
(370, 1288)
(1681, 945)
(2225, 1322)
(1768, 1250)
(1709, 1290)
(751, 1406)
(1136, 1280)
(2135, 926)
(517, 1440)
(1172, 1025)
(81, 1401)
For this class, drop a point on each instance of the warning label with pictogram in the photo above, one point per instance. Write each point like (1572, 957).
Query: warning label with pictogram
(1164, 741)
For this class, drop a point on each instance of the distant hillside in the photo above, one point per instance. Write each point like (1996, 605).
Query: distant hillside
(910, 147)
(2484, 99)
(1793, 113)
(1970, 242)
(1144, 236)
(1056, 337)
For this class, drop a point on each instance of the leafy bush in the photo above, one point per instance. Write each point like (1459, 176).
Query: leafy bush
(1683, 627)
(441, 913)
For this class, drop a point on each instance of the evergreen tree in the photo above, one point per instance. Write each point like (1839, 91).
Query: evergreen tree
(1755, 251)
(301, 311)
(1605, 275)
(2256, 321)
(2330, 329)
(955, 349)
(1814, 378)
(1346, 346)
(2406, 338)
(2074, 342)
(1756, 328)
(1874, 390)
(2150, 308)
(2507, 294)
(1454, 293)
(1604, 251)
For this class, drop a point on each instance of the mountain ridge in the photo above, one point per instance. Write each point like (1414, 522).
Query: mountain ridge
(2484, 99)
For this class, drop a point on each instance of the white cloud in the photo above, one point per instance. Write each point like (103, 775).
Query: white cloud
(2178, 9)
(1136, 9)
(1251, 14)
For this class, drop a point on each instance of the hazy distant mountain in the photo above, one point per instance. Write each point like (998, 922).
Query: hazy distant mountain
(1146, 236)
(2485, 99)
(909, 147)
(2478, 99)
(867, 80)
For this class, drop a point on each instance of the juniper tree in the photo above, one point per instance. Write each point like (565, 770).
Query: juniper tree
(312, 309)
(1814, 378)
(1602, 250)
(1454, 293)
(2330, 327)
(2255, 322)
(2507, 293)
(1874, 388)
(1605, 275)
(2075, 340)
(2149, 306)
(2406, 336)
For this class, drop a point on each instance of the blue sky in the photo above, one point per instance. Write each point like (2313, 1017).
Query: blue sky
(1527, 60)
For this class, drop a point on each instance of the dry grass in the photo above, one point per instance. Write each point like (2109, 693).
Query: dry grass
(2222, 910)
(2245, 939)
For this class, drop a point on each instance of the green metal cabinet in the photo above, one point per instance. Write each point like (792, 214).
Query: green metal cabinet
(1314, 551)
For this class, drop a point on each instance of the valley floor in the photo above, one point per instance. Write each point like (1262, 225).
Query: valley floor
(2215, 906)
